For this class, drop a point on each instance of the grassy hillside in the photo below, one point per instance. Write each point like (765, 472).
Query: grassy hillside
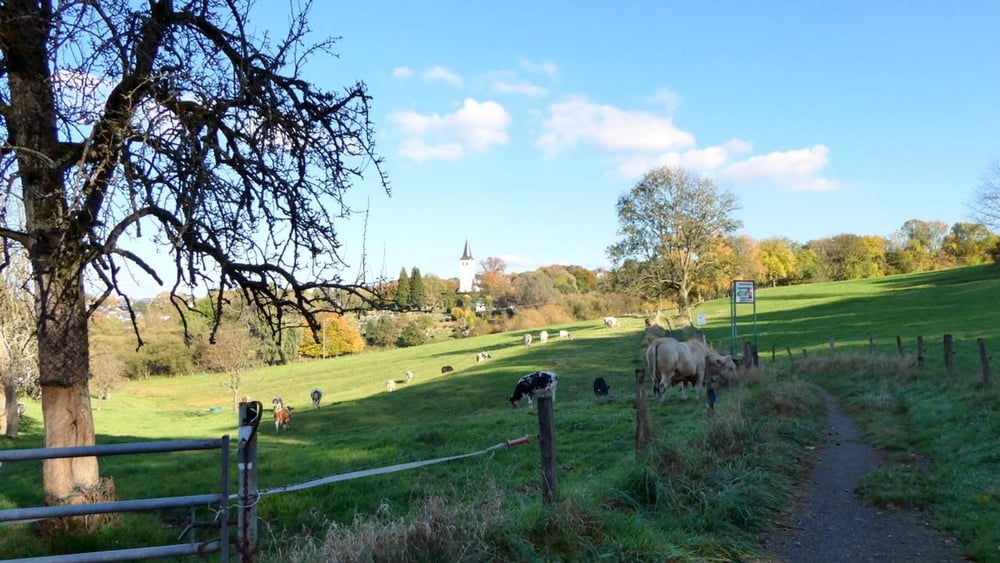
(707, 490)
(958, 302)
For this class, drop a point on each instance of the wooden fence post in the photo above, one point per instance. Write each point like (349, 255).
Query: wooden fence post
(984, 360)
(547, 444)
(899, 346)
(871, 344)
(805, 353)
(831, 344)
(920, 351)
(949, 351)
(754, 355)
(642, 434)
(246, 516)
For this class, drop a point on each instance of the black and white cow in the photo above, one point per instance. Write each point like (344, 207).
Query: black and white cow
(533, 384)
(316, 396)
(601, 386)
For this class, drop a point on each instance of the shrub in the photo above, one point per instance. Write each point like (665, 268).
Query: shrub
(382, 331)
(412, 335)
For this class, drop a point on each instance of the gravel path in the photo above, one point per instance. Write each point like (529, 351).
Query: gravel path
(832, 524)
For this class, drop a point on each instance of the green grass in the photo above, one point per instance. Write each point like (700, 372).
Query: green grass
(706, 490)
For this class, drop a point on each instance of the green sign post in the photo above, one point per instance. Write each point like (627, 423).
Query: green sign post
(743, 291)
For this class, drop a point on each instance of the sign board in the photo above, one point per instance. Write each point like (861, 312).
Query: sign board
(700, 319)
(743, 291)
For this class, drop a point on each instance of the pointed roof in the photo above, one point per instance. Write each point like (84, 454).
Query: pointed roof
(467, 255)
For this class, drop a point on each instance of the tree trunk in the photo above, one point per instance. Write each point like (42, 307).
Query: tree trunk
(63, 362)
(9, 421)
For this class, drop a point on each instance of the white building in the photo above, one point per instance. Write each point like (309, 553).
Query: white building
(467, 271)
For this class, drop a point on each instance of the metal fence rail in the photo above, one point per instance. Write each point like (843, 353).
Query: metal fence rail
(220, 545)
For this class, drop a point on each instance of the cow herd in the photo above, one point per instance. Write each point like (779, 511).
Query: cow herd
(691, 364)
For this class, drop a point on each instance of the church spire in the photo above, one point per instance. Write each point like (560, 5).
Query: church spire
(467, 254)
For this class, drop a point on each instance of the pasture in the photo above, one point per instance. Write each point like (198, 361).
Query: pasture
(707, 488)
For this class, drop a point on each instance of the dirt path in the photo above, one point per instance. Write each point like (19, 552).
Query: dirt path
(832, 524)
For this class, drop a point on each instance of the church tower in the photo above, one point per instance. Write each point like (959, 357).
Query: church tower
(466, 271)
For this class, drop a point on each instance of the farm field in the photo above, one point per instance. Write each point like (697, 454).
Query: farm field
(706, 489)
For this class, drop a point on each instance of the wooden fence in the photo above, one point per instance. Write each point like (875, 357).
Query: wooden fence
(948, 354)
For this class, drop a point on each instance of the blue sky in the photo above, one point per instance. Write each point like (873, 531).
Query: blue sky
(517, 125)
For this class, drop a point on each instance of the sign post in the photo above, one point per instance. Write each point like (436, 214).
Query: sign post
(743, 291)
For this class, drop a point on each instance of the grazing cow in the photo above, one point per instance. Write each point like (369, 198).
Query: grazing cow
(390, 385)
(534, 384)
(527, 339)
(482, 357)
(316, 395)
(409, 376)
(685, 363)
(282, 415)
(601, 387)
(610, 322)
(447, 369)
(564, 335)
(543, 336)
(20, 409)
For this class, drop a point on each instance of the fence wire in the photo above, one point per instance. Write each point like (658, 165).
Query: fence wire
(381, 470)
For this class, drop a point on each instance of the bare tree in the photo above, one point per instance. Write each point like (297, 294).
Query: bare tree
(18, 347)
(671, 222)
(986, 201)
(232, 355)
(130, 125)
(107, 374)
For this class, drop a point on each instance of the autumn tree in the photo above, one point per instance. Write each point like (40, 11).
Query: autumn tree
(669, 223)
(337, 336)
(916, 246)
(849, 256)
(778, 260)
(178, 124)
(969, 244)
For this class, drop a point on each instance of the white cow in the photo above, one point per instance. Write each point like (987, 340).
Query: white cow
(686, 363)
(527, 339)
(390, 385)
(563, 335)
(543, 336)
(409, 376)
(610, 322)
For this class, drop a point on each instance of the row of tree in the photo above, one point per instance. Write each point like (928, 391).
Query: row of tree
(678, 241)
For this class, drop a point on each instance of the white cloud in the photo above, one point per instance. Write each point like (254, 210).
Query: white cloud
(703, 160)
(546, 68)
(578, 120)
(519, 87)
(794, 168)
(668, 98)
(442, 74)
(473, 127)
(402, 72)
